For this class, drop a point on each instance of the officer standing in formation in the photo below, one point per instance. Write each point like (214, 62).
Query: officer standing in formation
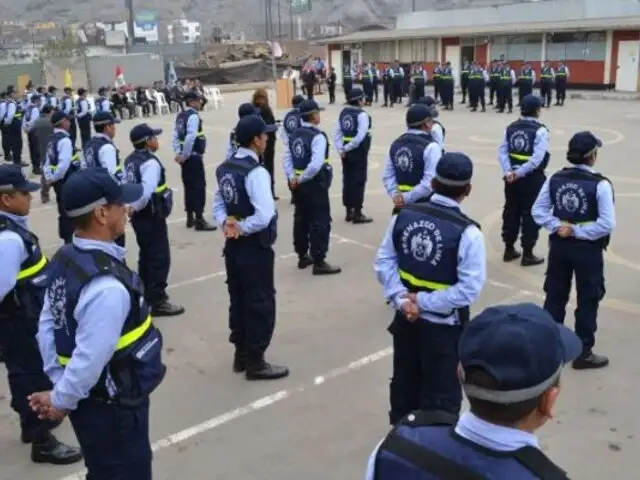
(376, 81)
(523, 156)
(60, 163)
(437, 81)
(411, 163)
(437, 130)
(189, 145)
(511, 358)
(51, 98)
(103, 367)
(348, 74)
(432, 266)
(494, 81)
(149, 218)
(20, 304)
(562, 77)
(387, 86)
(6, 146)
(32, 114)
(477, 79)
(309, 173)
(290, 122)
(367, 84)
(244, 209)
(505, 88)
(464, 80)
(419, 80)
(68, 106)
(526, 80)
(13, 126)
(84, 116)
(43, 129)
(576, 205)
(447, 86)
(243, 110)
(396, 80)
(546, 84)
(102, 102)
(352, 139)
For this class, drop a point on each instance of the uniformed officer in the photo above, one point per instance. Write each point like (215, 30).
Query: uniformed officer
(102, 102)
(397, 80)
(447, 86)
(68, 106)
(4, 133)
(376, 81)
(32, 114)
(437, 81)
(526, 80)
(149, 218)
(464, 79)
(352, 139)
(244, 208)
(59, 164)
(309, 172)
(348, 74)
(477, 81)
(13, 126)
(98, 342)
(367, 85)
(20, 305)
(411, 162)
(432, 266)
(562, 78)
(494, 81)
(189, 145)
(419, 79)
(387, 85)
(290, 122)
(437, 131)
(505, 88)
(243, 110)
(576, 205)
(523, 156)
(546, 83)
(511, 358)
(52, 100)
(84, 116)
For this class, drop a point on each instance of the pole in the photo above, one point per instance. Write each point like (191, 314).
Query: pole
(279, 21)
(272, 40)
(291, 19)
(413, 6)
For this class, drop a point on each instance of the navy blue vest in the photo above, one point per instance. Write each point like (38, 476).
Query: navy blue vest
(300, 146)
(200, 144)
(545, 75)
(232, 175)
(63, 100)
(418, 77)
(521, 136)
(349, 124)
(426, 237)
(425, 446)
(25, 301)
(136, 367)
(407, 156)
(52, 155)
(98, 102)
(161, 202)
(291, 121)
(574, 194)
(92, 158)
(17, 117)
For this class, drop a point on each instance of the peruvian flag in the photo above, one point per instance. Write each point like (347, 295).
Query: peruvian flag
(119, 76)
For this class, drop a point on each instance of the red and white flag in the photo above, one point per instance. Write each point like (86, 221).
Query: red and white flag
(119, 77)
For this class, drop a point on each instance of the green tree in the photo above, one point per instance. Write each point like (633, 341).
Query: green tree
(68, 46)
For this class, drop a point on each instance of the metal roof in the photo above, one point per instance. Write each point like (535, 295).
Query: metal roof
(617, 23)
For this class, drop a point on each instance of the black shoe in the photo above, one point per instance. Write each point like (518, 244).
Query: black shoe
(304, 262)
(166, 309)
(29, 437)
(325, 269)
(201, 225)
(45, 199)
(239, 361)
(22, 164)
(349, 216)
(191, 221)
(360, 218)
(37, 171)
(54, 452)
(510, 254)
(474, 109)
(530, 260)
(484, 109)
(590, 361)
(276, 198)
(265, 371)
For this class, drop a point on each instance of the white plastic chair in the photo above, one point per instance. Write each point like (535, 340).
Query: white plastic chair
(162, 103)
(214, 96)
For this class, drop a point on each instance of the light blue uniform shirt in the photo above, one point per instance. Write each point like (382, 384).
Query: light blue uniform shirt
(83, 108)
(472, 273)
(53, 101)
(34, 113)
(103, 306)
(11, 111)
(13, 253)
(258, 186)
(105, 105)
(67, 106)
(150, 173)
(192, 131)
(65, 155)
(3, 110)
(107, 155)
(540, 148)
(318, 150)
(363, 129)
(431, 157)
(437, 134)
(480, 432)
(542, 212)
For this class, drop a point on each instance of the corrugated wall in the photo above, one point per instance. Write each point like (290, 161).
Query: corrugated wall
(142, 69)
(9, 73)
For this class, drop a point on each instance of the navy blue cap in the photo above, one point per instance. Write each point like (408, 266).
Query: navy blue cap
(35, 97)
(104, 118)
(57, 117)
(308, 107)
(429, 102)
(530, 103)
(521, 347)
(142, 132)
(250, 127)
(12, 179)
(247, 109)
(91, 188)
(417, 114)
(355, 94)
(192, 95)
(454, 169)
(582, 145)
(82, 91)
(296, 100)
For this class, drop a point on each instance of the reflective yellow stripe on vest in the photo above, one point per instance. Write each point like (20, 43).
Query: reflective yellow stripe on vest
(300, 172)
(200, 134)
(520, 158)
(125, 340)
(419, 283)
(161, 188)
(32, 270)
(406, 188)
(348, 139)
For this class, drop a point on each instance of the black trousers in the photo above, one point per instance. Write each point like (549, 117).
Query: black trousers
(493, 90)
(195, 185)
(546, 92)
(425, 367)
(84, 124)
(34, 150)
(154, 260)
(561, 91)
(524, 89)
(354, 178)
(15, 141)
(464, 85)
(73, 131)
(252, 295)
(505, 97)
(519, 197)
(347, 84)
(476, 93)
(6, 142)
(332, 93)
(312, 217)
(65, 225)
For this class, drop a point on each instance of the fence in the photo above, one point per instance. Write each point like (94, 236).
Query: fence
(9, 73)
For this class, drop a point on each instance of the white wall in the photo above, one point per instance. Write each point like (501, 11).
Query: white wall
(542, 11)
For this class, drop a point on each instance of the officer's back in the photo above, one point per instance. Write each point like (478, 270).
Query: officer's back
(511, 357)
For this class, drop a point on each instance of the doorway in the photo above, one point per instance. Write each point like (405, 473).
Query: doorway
(468, 52)
(627, 73)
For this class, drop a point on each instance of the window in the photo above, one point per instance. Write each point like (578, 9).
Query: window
(467, 42)
(405, 51)
(418, 52)
(577, 46)
(499, 47)
(387, 51)
(371, 51)
(197, 29)
(524, 48)
(431, 47)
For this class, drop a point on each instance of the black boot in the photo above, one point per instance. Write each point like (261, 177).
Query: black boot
(304, 261)
(590, 361)
(239, 361)
(349, 215)
(191, 220)
(510, 254)
(201, 225)
(360, 218)
(166, 309)
(323, 268)
(51, 450)
(529, 259)
(259, 369)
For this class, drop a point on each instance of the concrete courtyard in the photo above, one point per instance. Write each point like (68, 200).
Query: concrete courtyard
(322, 422)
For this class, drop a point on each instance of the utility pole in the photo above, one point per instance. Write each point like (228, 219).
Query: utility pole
(413, 5)
(272, 40)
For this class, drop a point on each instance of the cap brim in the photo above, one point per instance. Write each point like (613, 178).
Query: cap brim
(599, 142)
(130, 193)
(156, 132)
(571, 344)
(271, 128)
(434, 112)
(30, 187)
(116, 120)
